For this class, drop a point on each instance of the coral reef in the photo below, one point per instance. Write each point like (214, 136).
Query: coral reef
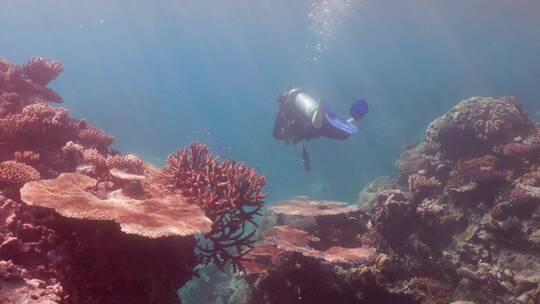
(460, 225)
(82, 223)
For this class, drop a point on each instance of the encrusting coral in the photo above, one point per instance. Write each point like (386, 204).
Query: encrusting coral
(81, 223)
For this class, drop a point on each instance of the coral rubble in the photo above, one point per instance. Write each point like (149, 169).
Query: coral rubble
(82, 223)
(460, 225)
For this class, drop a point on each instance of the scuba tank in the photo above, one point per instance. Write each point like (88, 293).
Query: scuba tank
(305, 106)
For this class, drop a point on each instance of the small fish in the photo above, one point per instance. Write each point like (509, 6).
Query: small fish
(305, 159)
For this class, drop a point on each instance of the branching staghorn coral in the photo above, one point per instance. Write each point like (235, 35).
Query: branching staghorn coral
(230, 193)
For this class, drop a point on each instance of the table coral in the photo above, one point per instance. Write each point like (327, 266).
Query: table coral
(159, 215)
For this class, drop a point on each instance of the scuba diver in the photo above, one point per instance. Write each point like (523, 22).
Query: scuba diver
(301, 117)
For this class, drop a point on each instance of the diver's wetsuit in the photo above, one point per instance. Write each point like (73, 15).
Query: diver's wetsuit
(293, 124)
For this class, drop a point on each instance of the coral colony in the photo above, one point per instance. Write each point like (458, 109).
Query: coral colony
(82, 223)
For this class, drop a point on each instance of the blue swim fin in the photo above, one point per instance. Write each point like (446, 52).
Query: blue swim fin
(358, 109)
(337, 122)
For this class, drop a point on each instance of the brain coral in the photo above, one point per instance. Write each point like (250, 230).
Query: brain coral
(476, 124)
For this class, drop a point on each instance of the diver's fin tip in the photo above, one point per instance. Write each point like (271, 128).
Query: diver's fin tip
(358, 109)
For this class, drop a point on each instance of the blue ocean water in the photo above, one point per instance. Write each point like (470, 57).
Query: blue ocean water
(159, 74)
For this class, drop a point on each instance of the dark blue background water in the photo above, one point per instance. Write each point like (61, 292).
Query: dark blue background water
(158, 74)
